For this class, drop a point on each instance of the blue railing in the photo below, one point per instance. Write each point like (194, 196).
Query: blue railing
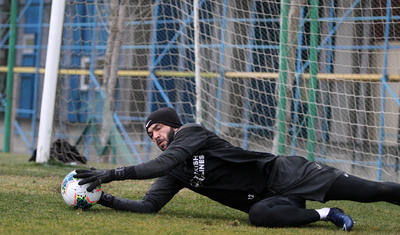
(159, 51)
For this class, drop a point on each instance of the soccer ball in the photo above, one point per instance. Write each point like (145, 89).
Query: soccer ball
(75, 195)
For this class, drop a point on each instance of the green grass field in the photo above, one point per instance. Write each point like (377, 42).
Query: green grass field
(30, 203)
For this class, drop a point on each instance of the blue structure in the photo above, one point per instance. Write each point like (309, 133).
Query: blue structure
(169, 50)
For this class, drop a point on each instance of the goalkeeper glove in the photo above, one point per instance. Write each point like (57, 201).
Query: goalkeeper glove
(97, 177)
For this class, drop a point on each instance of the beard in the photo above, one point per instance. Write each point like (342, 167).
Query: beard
(171, 135)
(170, 138)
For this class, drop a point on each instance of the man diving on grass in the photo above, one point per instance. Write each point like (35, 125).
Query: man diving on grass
(272, 189)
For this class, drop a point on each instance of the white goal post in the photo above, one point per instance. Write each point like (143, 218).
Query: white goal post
(313, 78)
(50, 80)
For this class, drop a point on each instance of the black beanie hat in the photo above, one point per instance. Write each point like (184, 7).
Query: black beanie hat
(166, 116)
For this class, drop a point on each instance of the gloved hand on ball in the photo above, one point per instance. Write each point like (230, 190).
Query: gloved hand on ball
(97, 177)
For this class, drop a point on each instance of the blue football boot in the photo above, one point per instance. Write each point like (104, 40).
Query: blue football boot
(340, 219)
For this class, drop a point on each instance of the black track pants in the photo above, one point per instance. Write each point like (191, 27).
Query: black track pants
(348, 187)
(281, 211)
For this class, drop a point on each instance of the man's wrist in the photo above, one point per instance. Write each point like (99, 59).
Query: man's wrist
(119, 173)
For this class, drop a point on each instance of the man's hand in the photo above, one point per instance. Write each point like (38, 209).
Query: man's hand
(95, 177)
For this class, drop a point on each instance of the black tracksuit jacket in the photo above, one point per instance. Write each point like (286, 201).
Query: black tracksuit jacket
(199, 160)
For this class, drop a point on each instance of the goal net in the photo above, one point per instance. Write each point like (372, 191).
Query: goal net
(319, 79)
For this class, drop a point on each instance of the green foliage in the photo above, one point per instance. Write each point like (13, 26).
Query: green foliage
(30, 203)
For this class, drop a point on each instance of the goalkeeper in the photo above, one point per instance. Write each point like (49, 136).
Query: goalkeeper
(272, 190)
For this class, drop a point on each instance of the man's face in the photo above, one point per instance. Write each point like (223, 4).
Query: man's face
(160, 134)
